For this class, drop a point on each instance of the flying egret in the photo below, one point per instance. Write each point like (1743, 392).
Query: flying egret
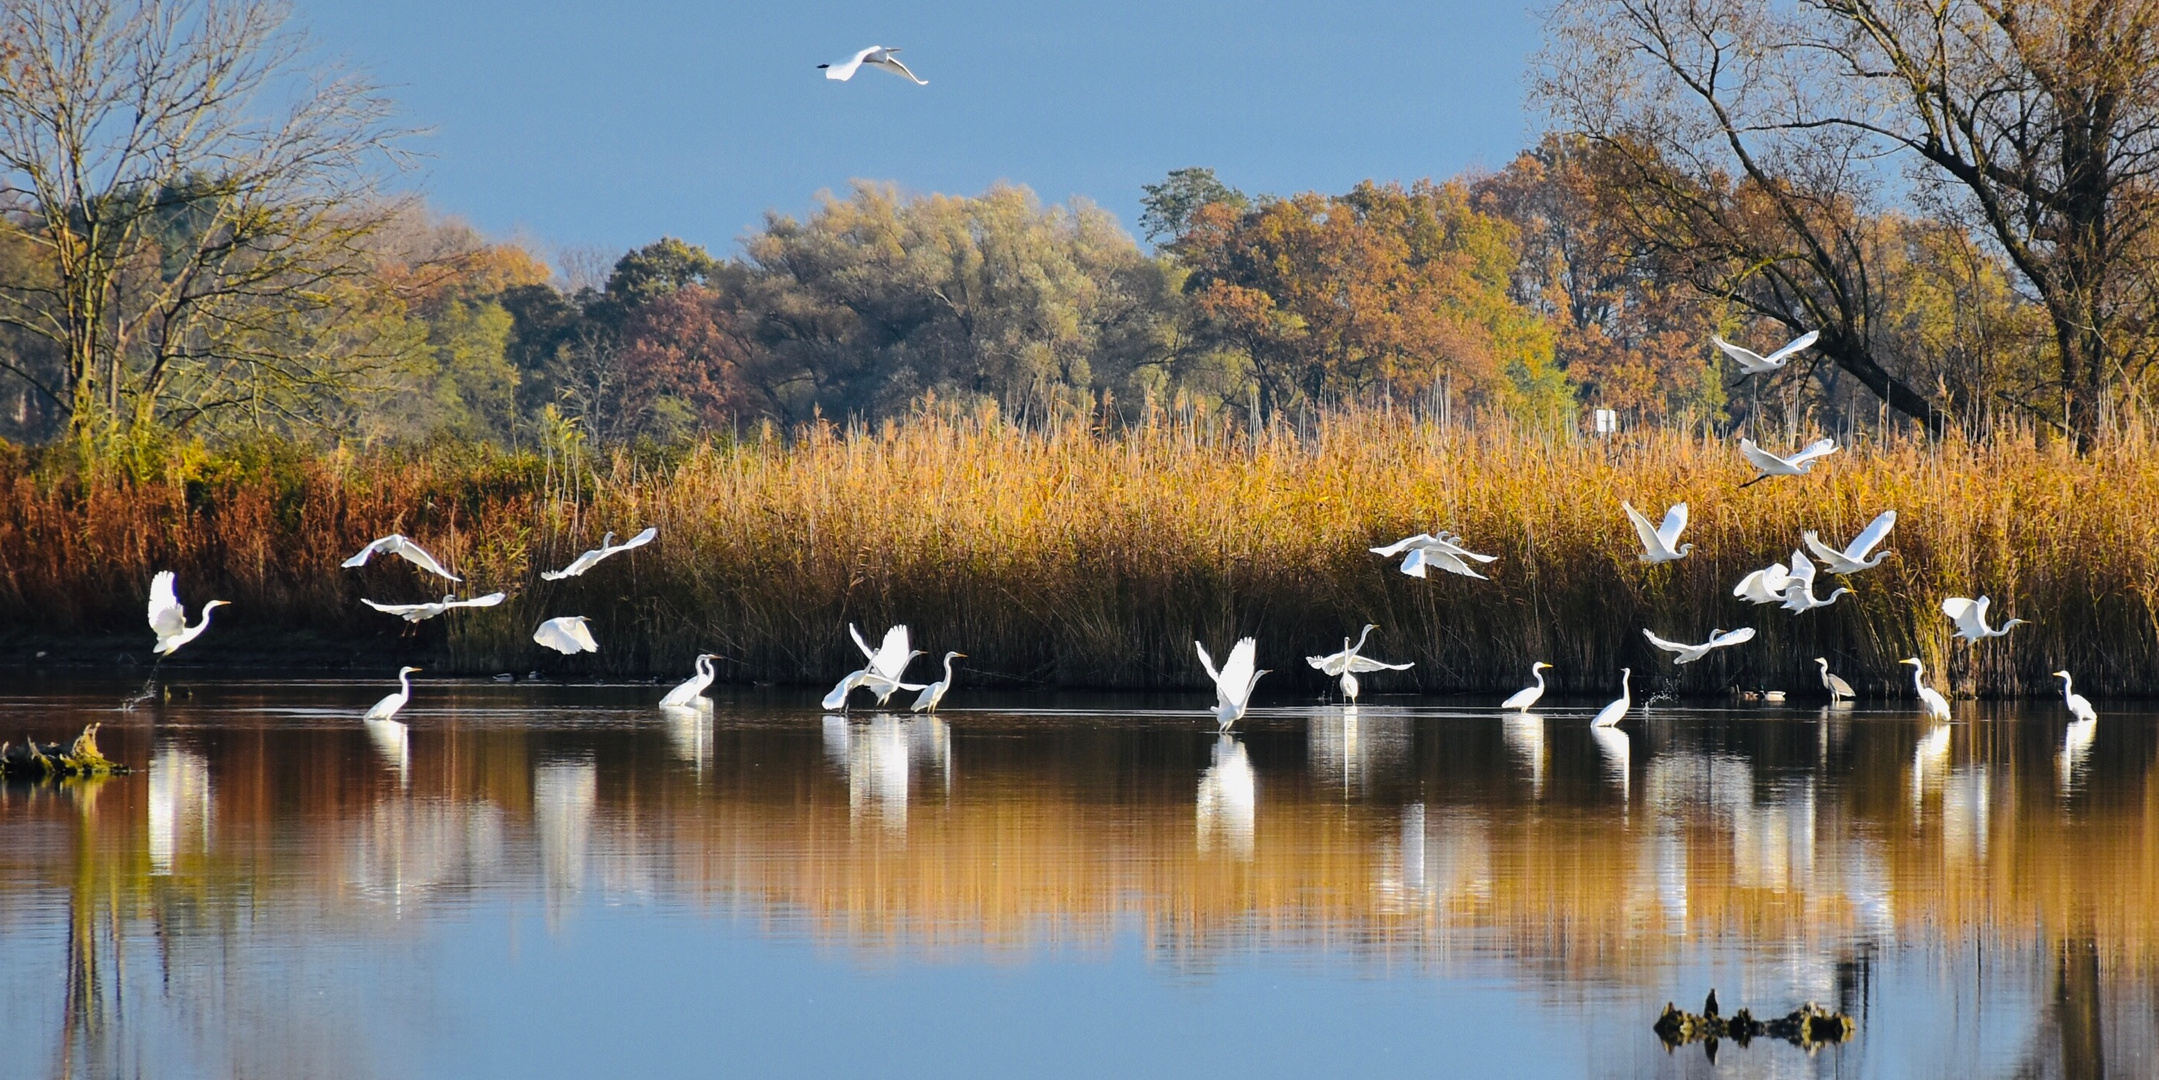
(1754, 363)
(1799, 589)
(1522, 699)
(690, 692)
(169, 620)
(2079, 707)
(1690, 653)
(1612, 714)
(567, 635)
(1443, 550)
(877, 56)
(1971, 618)
(1838, 689)
(1764, 586)
(935, 692)
(1930, 699)
(1349, 663)
(388, 706)
(591, 558)
(396, 544)
(1233, 684)
(1798, 464)
(1657, 543)
(882, 672)
(415, 613)
(1853, 558)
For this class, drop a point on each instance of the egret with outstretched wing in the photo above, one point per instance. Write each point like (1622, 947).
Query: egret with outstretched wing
(396, 544)
(1349, 663)
(1754, 363)
(592, 558)
(168, 620)
(1971, 618)
(567, 635)
(1798, 464)
(1853, 558)
(877, 56)
(1234, 682)
(415, 613)
(1658, 542)
(1690, 653)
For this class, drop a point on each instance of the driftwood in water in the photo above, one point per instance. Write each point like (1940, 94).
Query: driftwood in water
(1809, 1026)
(34, 760)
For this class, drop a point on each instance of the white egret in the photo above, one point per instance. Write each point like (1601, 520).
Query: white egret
(388, 706)
(1764, 586)
(882, 673)
(1657, 542)
(567, 635)
(1798, 464)
(1233, 684)
(415, 613)
(1839, 690)
(1612, 714)
(690, 692)
(2079, 706)
(1349, 663)
(1522, 699)
(1443, 550)
(1754, 363)
(169, 620)
(1690, 653)
(592, 558)
(1853, 558)
(935, 692)
(396, 544)
(1799, 588)
(1971, 618)
(877, 56)
(1930, 699)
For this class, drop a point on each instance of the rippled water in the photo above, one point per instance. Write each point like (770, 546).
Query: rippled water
(562, 881)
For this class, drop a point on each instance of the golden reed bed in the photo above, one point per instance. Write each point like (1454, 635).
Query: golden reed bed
(1077, 558)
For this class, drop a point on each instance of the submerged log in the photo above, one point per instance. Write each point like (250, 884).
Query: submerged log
(33, 760)
(1809, 1027)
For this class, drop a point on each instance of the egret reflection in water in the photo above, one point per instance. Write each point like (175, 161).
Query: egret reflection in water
(1355, 752)
(179, 799)
(393, 743)
(879, 756)
(565, 795)
(2075, 752)
(1524, 733)
(1227, 801)
(689, 733)
(1618, 753)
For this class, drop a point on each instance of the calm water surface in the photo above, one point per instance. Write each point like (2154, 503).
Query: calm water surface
(541, 881)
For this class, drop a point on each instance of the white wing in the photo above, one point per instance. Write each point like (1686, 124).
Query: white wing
(1413, 563)
(1822, 551)
(838, 697)
(397, 609)
(1961, 610)
(1731, 637)
(1675, 522)
(1750, 361)
(490, 600)
(1329, 664)
(1445, 560)
(1667, 646)
(1873, 534)
(1359, 664)
(1402, 545)
(1452, 545)
(166, 616)
(1207, 662)
(845, 69)
(1792, 348)
(1802, 573)
(371, 549)
(1642, 529)
(1763, 459)
(567, 635)
(1819, 448)
(891, 656)
(1237, 670)
(418, 556)
(892, 64)
(638, 541)
(867, 652)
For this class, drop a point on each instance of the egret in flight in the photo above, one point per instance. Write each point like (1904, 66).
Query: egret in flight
(169, 620)
(1690, 653)
(415, 613)
(1798, 464)
(1233, 684)
(1349, 663)
(1799, 587)
(2079, 706)
(1971, 618)
(1657, 543)
(1853, 558)
(1839, 690)
(1754, 363)
(1764, 586)
(1444, 550)
(934, 693)
(1930, 699)
(396, 544)
(877, 56)
(691, 690)
(567, 635)
(592, 558)
(1612, 714)
(1522, 699)
(388, 706)
(881, 675)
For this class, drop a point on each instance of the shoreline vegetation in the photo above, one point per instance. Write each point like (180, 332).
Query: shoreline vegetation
(1092, 554)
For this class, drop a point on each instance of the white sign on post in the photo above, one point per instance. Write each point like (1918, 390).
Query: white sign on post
(1607, 421)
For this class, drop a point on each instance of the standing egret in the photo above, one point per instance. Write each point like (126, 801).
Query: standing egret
(1612, 714)
(2079, 707)
(1853, 558)
(1799, 589)
(592, 558)
(1348, 664)
(415, 613)
(1658, 541)
(1931, 700)
(396, 544)
(567, 635)
(169, 620)
(691, 690)
(1754, 363)
(1690, 653)
(877, 56)
(1839, 690)
(1522, 699)
(1796, 465)
(1443, 550)
(881, 674)
(935, 692)
(1764, 586)
(1233, 684)
(388, 706)
(1971, 618)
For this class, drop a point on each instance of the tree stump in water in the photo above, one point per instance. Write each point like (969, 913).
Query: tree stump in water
(33, 760)
(1809, 1027)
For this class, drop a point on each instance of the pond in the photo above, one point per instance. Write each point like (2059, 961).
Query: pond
(536, 880)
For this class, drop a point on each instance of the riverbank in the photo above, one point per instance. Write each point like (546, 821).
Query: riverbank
(1075, 558)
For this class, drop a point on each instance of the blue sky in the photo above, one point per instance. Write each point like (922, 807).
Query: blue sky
(609, 125)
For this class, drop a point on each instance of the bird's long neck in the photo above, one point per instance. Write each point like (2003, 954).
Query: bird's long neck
(2068, 686)
(1919, 670)
(204, 622)
(948, 667)
(1539, 674)
(704, 668)
(404, 684)
(1626, 691)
